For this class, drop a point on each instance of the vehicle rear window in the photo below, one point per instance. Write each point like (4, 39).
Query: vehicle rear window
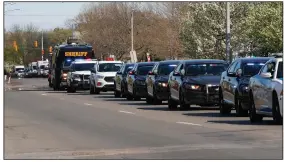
(252, 68)
(109, 67)
(144, 70)
(166, 69)
(128, 68)
(83, 67)
(205, 69)
(280, 70)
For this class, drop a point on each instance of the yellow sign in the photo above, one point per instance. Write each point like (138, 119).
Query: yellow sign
(74, 54)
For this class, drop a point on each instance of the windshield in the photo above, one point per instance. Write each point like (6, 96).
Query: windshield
(280, 70)
(41, 66)
(83, 67)
(128, 68)
(20, 69)
(166, 69)
(109, 67)
(34, 67)
(252, 68)
(144, 70)
(204, 69)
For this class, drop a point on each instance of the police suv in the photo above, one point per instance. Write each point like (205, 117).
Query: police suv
(78, 75)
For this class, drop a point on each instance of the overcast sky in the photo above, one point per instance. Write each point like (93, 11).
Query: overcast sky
(41, 14)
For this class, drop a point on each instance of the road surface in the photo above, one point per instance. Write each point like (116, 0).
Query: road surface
(43, 124)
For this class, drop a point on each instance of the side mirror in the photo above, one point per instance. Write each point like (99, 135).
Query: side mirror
(266, 75)
(118, 72)
(182, 72)
(150, 73)
(131, 73)
(176, 74)
(239, 72)
(231, 74)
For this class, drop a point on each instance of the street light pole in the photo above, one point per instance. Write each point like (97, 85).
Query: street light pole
(42, 52)
(228, 33)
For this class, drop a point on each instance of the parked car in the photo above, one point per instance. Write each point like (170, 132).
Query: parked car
(136, 78)
(266, 92)
(102, 76)
(78, 76)
(195, 82)
(157, 81)
(120, 80)
(234, 84)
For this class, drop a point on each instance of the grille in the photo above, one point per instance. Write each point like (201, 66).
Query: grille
(109, 79)
(213, 89)
(86, 76)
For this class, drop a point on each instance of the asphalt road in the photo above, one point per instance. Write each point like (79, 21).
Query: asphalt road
(43, 124)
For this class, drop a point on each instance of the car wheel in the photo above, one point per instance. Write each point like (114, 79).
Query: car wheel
(92, 89)
(123, 94)
(135, 97)
(276, 111)
(172, 104)
(238, 106)
(96, 90)
(183, 105)
(156, 101)
(224, 109)
(149, 100)
(252, 112)
(117, 94)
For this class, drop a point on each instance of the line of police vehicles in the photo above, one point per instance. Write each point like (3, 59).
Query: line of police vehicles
(251, 86)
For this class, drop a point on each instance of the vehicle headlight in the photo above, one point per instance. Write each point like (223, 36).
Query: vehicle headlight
(192, 86)
(140, 82)
(100, 76)
(64, 75)
(244, 88)
(163, 84)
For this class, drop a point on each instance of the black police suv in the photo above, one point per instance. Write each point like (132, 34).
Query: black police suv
(195, 82)
(234, 84)
(136, 78)
(157, 81)
(120, 80)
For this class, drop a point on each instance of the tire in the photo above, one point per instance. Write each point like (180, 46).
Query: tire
(96, 90)
(172, 104)
(238, 106)
(135, 97)
(156, 101)
(117, 94)
(277, 118)
(129, 97)
(92, 89)
(183, 105)
(149, 100)
(224, 109)
(252, 112)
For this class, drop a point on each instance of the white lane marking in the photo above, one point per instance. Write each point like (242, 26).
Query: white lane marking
(186, 123)
(87, 104)
(43, 94)
(127, 112)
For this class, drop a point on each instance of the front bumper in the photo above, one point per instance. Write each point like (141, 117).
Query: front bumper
(80, 84)
(210, 95)
(104, 85)
(141, 90)
(162, 93)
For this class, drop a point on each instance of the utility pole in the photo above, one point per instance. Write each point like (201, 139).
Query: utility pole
(228, 33)
(42, 52)
(132, 53)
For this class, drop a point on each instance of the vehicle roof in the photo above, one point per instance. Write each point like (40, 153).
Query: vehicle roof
(146, 63)
(99, 62)
(169, 61)
(83, 61)
(204, 61)
(77, 46)
(254, 59)
(277, 59)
